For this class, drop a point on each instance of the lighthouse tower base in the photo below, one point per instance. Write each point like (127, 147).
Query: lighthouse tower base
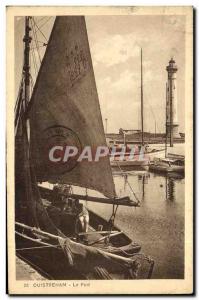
(175, 129)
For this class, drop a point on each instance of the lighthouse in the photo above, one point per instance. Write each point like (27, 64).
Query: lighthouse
(171, 105)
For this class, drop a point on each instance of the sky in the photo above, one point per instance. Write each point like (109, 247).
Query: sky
(115, 43)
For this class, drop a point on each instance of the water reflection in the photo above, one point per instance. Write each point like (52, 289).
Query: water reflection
(143, 180)
(170, 189)
(167, 182)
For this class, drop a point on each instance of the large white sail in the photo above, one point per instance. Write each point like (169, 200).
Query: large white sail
(65, 110)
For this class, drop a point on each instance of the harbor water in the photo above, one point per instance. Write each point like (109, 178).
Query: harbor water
(158, 224)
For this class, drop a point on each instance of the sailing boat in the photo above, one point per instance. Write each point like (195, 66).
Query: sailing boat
(139, 155)
(64, 110)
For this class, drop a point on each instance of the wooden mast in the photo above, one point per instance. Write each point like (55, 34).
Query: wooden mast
(24, 92)
(142, 108)
(26, 67)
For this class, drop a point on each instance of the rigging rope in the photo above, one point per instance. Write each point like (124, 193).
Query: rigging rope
(112, 218)
(32, 84)
(34, 63)
(39, 41)
(19, 93)
(30, 77)
(38, 29)
(38, 47)
(34, 51)
(123, 173)
(39, 21)
(111, 222)
(35, 37)
(151, 109)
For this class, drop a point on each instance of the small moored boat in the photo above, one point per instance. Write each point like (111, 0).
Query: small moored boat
(167, 165)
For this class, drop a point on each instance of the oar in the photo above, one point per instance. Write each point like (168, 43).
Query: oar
(104, 237)
(93, 232)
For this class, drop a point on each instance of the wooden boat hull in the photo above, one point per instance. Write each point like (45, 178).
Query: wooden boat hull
(153, 154)
(52, 263)
(166, 169)
(137, 160)
(129, 163)
(122, 241)
(123, 244)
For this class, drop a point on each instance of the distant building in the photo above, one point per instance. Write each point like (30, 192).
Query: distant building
(129, 131)
(136, 136)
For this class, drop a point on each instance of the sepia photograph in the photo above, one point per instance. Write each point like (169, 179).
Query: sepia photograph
(99, 155)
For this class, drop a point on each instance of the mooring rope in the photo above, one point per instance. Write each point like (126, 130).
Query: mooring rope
(123, 173)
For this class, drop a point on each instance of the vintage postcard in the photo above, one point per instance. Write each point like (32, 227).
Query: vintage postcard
(99, 150)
